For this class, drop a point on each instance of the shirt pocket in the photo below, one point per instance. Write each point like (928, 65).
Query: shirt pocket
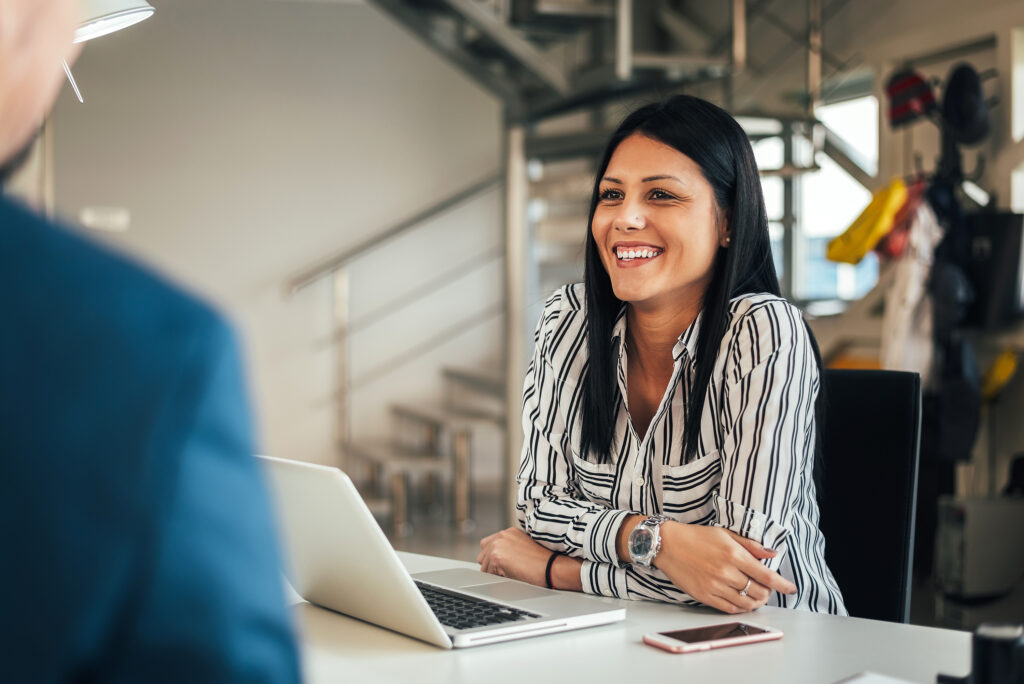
(595, 480)
(688, 491)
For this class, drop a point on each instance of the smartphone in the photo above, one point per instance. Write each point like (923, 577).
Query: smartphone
(712, 636)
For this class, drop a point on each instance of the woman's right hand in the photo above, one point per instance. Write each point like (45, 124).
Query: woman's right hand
(713, 564)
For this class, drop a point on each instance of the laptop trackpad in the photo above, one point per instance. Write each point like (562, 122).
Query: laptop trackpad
(510, 591)
(484, 584)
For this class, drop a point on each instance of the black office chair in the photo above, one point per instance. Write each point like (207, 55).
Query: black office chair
(871, 441)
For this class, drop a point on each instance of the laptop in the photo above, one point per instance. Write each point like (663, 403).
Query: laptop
(341, 560)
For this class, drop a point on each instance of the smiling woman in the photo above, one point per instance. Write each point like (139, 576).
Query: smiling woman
(670, 407)
(656, 234)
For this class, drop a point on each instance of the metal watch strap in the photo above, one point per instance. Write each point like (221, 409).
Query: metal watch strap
(655, 520)
(654, 523)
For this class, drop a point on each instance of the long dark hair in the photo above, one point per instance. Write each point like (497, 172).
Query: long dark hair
(711, 138)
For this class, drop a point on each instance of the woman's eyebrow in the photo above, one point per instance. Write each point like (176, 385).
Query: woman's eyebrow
(648, 179)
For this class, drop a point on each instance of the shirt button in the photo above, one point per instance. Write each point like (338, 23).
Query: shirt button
(755, 525)
(639, 482)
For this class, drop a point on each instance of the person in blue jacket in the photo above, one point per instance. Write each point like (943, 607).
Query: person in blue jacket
(136, 539)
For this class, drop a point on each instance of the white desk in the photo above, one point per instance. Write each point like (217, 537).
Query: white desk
(816, 649)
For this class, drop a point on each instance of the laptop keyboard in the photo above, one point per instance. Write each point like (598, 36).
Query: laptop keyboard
(465, 612)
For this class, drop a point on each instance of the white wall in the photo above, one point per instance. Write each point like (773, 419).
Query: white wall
(251, 138)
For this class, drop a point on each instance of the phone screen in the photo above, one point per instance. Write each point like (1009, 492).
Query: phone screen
(713, 632)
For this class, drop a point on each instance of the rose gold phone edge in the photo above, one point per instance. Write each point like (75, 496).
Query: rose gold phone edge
(675, 646)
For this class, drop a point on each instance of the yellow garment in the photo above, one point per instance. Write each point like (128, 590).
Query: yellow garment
(872, 225)
(998, 374)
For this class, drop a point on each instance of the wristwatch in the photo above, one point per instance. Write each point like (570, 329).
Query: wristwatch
(645, 540)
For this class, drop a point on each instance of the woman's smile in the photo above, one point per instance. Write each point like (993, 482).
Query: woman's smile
(635, 254)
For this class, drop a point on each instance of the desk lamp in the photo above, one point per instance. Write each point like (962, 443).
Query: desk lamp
(100, 17)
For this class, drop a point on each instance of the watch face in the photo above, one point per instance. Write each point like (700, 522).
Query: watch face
(641, 541)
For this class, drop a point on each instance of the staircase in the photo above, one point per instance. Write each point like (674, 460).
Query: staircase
(544, 57)
(415, 326)
(434, 447)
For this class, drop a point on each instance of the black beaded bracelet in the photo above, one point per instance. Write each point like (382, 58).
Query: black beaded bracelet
(547, 570)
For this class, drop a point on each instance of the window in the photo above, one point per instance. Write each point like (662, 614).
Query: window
(856, 122)
(768, 153)
(831, 200)
(828, 200)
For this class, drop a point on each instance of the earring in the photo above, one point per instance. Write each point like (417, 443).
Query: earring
(728, 240)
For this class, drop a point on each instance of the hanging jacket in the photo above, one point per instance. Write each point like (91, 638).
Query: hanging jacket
(907, 342)
(871, 226)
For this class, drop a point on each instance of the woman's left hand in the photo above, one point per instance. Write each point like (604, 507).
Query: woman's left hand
(511, 553)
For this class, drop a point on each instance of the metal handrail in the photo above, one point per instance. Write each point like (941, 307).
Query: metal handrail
(462, 325)
(332, 264)
(430, 287)
(337, 268)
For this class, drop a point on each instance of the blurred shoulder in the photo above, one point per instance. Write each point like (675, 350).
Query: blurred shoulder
(106, 301)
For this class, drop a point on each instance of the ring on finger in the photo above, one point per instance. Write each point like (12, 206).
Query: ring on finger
(743, 591)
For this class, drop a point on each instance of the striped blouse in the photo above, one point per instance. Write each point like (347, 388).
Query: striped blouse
(752, 472)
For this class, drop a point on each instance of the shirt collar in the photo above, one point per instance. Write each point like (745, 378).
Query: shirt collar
(687, 341)
(619, 332)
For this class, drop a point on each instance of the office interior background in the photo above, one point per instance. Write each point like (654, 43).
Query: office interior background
(359, 189)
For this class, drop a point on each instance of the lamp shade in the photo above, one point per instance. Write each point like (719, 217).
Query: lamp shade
(100, 17)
